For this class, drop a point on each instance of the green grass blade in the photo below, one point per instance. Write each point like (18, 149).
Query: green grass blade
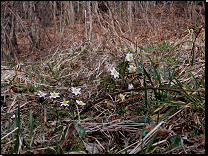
(196, 82)
(179, 84)
(169, 103)
(17, 123)
(193, 51)
(145, 93)
(155, 71)
(170, 81)
(148, 76)
(51, 69)
(31, 124)
(57, 72)
(65, 71)
(171, 65)
(30, 75)
(8, 118)
(10, 60)
(57, 145)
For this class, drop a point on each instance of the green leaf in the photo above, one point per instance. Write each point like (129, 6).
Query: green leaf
(144, 120)
(20, 89)
(192, 133)
(81, 131)
(135, 121)
(145, 132)
(175, 140)
(82, 117)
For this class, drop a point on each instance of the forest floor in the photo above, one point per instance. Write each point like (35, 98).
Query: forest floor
(164, 113)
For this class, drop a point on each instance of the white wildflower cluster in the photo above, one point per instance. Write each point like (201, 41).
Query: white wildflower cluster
(129, 57)
(54, 95)
(132, 69)
(76, 90)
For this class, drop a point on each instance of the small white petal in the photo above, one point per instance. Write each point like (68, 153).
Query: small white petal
(130, 86)
(64, 105)
(114, 73)
(54, 95)
(41, 94)
(80, 102)
(64, 102)
(13, 116)
(75, 90)
(129, 57)
(122, 97)
(131, 69)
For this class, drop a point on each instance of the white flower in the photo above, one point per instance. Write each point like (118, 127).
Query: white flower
(54, 95)
(114, 72)
(64, 103)
(80, 102)
(75, 90)
(129, 57)
(13, 116)
(122, 97)
(130, 86)
(41, 94)
(131, 69)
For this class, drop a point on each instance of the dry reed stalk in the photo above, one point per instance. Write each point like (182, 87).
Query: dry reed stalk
(85, 24)
(45, 114)
(14, 55)
(90, 16)
(54, 18)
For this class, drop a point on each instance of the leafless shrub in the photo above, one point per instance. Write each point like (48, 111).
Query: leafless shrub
(137, 20)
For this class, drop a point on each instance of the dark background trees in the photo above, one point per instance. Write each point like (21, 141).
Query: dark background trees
(31, 19)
